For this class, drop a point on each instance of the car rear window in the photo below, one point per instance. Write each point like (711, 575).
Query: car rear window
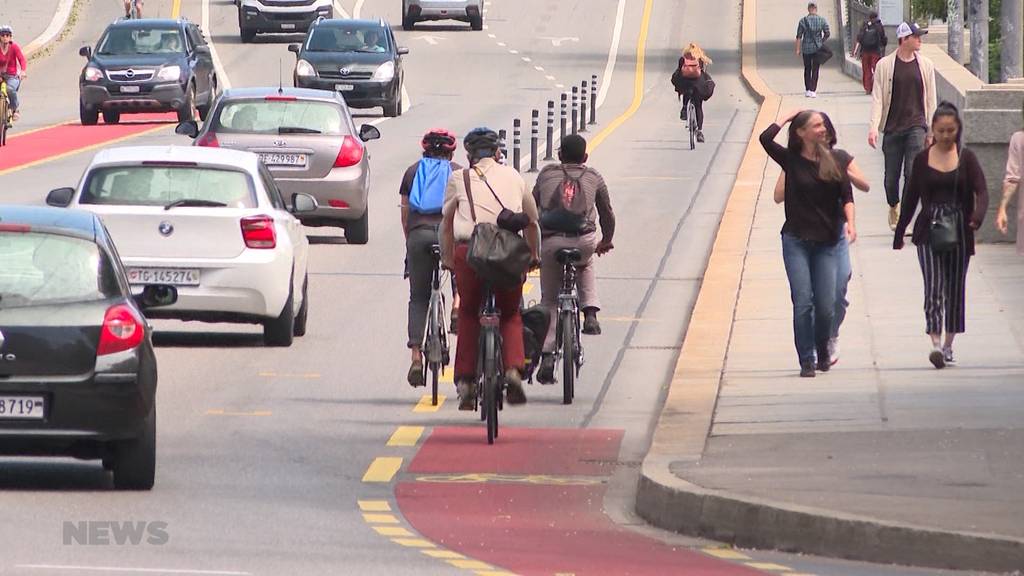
(125, 41)
(163, 185)
(38, 269)
(347, 39)
(280, 117)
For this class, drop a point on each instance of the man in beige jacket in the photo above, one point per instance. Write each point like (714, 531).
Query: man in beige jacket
(902, 103)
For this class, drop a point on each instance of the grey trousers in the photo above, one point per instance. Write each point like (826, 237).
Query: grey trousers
(551, 277)
(421, 269)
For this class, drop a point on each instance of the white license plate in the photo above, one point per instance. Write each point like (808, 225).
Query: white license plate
(276, 159)
(344, 87)
(129, 89)
(287, 26)
(172, 276)
(22, 407)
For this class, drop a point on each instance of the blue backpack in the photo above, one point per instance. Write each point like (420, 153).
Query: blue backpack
(427, 193)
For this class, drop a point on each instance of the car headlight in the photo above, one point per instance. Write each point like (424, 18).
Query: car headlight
(303, 68)
(93, 74)
(169, 74)
(385, 72)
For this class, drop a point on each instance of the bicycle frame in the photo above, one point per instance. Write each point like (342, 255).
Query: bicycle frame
(6, 116)
(435, 344)
(489, 365)
(568, 302)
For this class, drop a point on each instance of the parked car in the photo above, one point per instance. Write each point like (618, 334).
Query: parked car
(359, 58)
(147, 65)
(471, 11)
(77, 371)
(308, 140)
(210, 222)
(258, 16)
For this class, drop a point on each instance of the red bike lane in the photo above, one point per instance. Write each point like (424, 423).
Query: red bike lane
(532, 504)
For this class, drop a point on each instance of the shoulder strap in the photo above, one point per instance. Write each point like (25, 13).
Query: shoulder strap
(480, 173)
(469, 194)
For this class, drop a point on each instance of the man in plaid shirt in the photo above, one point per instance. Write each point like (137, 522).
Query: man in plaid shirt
(811, 34)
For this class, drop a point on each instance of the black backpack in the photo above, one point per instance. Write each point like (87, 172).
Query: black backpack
(871, 38)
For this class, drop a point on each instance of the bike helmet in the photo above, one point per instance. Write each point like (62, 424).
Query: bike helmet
(439, 139)
(481, 140)
(5, 29)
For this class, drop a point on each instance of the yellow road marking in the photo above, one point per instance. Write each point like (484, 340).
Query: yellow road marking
(534, 274)
(175, 9)
(769, 566)
(226, 413)
(638, 81)
(406, 436)
(527, 288)
(380, 518)
(726, 553)
(375, 506)
(442, 554)
(382, 469)
(393, 531)
(470, 564)
(13, 137)
(424, 404)
(414, 542)
(447, 377)
(63, 155)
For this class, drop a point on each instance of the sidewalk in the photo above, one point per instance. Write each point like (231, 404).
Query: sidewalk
(883, 442)
(29, 19)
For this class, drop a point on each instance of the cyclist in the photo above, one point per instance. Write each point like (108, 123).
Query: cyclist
(486, 175)
(421, 218)
(572, 198)
(691, 80)
(13, 66)
(130, 5)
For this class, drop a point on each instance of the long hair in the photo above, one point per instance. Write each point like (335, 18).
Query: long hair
(828, 168)
(695, 51)
(949, 110)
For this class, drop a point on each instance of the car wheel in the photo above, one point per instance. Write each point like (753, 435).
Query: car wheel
(247, 35)
(407, 21)
(303, 315)
(87, 116)
(111, 117)
(134, 461)
(188, 109)
(393, 108)
(476, 22)
(281, 330)
(358, 231)
(204, 110)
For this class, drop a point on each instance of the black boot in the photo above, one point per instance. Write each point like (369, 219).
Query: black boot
(590, 324)
(546, 372)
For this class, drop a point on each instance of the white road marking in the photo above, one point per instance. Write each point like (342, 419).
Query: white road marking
(538, 68)
(513, 51)
(223, 82)
(491, 36)
(358, 9)
(526, 59)
(432, 40)
(60, 18)
(341, 10)
(557, 41)
(550, 77)
(613, 54)
(139, 570)
(559, 85)
(502, 44)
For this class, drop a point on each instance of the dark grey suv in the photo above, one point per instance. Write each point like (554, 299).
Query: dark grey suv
(148, 65)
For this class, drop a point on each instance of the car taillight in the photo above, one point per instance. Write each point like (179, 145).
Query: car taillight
(351, 153)
(209, 140)
(122, 330)
(258, 232)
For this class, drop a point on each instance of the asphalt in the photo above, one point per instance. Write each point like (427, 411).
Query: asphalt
(882, 459)
(29, 19)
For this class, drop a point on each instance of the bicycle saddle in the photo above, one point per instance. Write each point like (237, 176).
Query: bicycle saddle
(566, 255)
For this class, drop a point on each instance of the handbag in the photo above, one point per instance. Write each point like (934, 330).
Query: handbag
(498, 255)
(944, 229)
(823, 55)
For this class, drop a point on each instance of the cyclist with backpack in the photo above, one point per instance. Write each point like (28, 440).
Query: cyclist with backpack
(692, 81)
(572, 198)
(871, 43)
(422, 193)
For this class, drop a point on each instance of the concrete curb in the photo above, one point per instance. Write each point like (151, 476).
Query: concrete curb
(57, 24)
(668, 502)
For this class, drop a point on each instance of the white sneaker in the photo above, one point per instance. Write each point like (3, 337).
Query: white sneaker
(807, 94)
(833, 351)
(812, 94)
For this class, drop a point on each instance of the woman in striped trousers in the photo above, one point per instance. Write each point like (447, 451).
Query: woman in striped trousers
(949, 183)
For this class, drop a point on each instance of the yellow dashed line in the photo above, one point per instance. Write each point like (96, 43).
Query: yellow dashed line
(393, 531)
(175, 9)
(726, 553)
(424, 404)
(382, 469)
(442, 554)
(413, 542)
(769, 566)
(380, 518)
(375, 506)
(471, 564)
(406, 436)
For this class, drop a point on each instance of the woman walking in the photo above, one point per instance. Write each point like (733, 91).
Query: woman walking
(1011, 186)
(818, 199)
(949, 183)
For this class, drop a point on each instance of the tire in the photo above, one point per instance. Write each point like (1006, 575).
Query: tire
(281, 330)
(476, 22)
(111, 117)
(188, 109)
(358, 231)
(435, 371)
(204, 111)
(86, 116)
(491, 387)
(394, 108)
(568, 358)
(303, 316)
(134, 461)
(691, 121)
(3, 121)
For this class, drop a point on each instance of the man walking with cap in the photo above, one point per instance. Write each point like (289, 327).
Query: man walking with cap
(902, 102)
(811, 34)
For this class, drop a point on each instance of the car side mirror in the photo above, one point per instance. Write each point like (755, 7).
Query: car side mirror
(303, 203)
(402, 50)
(188, 128)
(61, 197)
(156, 295)
(85, 51)
(294, 48)
(368, 132)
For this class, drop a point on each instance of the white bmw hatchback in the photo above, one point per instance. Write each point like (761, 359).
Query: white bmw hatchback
(210, 222)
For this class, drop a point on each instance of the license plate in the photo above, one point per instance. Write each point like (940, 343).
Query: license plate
(287, 26)
(277, 159)
(172, 276)
(22, 407)
(129, 89)
(344, 87)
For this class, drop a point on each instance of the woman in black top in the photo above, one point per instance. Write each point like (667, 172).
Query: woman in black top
(818, 195)
(950, 185)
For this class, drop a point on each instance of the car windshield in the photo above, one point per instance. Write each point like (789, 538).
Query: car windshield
(166, 185)
(280, 117)
(347, 39)
(128, 41)
(38, 269)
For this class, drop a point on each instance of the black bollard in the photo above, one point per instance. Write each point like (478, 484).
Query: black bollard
(593, 99)
(517, 141)
(564, 117)
(583, 107)
(575, 108)
(534, 139)
(551, 131)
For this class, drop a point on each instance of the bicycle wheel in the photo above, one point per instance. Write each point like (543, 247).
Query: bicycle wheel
(691, 122)
(491, 388)
(568, 357)
(3, 121)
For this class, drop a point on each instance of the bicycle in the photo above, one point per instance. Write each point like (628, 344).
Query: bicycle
(490, 387)
(6, 114)
(691, 118)
(435, 342)
(568, 345)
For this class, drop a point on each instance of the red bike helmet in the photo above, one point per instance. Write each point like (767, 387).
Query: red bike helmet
(439, 138)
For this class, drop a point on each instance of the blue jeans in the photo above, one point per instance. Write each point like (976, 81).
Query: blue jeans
(13, 83)
(844, 271)
(900, 149)
(811, 269)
